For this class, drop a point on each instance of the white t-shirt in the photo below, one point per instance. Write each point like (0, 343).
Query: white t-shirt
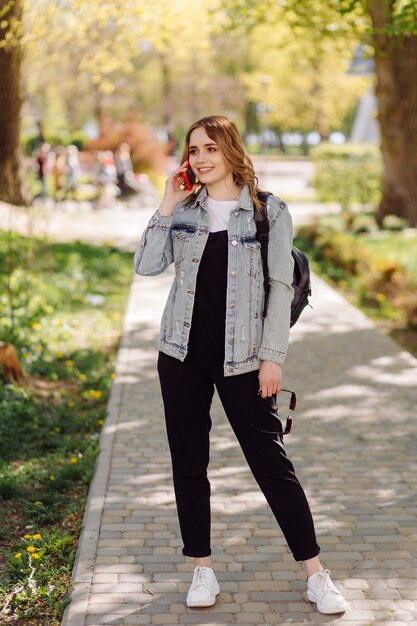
(219, 211)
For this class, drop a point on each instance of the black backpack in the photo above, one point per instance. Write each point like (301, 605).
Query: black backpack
(301, 277)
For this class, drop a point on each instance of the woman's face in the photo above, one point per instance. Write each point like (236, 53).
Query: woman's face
(206, 159)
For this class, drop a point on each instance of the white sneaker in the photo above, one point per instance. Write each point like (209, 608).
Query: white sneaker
(321, 590)
(204, 588)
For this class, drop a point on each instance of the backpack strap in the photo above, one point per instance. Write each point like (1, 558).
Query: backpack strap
(262, 235)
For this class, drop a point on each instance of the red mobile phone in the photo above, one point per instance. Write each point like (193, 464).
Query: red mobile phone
(189, 178)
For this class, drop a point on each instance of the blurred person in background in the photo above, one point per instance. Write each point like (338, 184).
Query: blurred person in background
(58, 172)
(41, 167)
(105, 178)
(72, 171)
(124, 168)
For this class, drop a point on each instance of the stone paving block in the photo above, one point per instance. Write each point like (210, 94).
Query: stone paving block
(105, 578)
(137, 620)
(178, 608)
(406, 604)
(391, 594)
(120, 597)
(119, 587)
(409, 594)
(165, 619)
(133, 577)
(250, 618)
(105, 620)
(106, 608)
(162, 587)
(107, 560)
(119, 568)
(211, 619)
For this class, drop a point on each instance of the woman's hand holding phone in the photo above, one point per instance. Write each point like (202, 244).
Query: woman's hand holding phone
(174, 191)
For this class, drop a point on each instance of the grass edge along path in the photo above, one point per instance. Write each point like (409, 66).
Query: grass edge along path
(67, 319)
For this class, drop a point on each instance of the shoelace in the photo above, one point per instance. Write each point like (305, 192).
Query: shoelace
(325, 581)
(202, 578)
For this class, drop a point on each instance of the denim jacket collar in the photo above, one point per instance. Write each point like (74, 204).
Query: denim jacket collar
(245, 201)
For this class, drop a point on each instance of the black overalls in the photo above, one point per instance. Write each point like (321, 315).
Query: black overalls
(187, 391)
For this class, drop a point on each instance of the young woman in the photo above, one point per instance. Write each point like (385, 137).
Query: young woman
(213, 334)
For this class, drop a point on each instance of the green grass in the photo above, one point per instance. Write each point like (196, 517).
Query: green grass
(62, 310)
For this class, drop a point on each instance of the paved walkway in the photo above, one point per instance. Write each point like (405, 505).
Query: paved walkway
(354, 445)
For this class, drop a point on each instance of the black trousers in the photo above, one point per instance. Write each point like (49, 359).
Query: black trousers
(187, 391)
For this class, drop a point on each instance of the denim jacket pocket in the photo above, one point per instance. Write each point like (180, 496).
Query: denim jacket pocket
(181, 235)
(252, 254)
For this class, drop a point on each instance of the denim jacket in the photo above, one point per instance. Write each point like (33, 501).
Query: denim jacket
(181, 238)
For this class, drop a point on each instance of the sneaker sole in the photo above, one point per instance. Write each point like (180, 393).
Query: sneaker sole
(328, 612)
(201, 605)
(195, 605)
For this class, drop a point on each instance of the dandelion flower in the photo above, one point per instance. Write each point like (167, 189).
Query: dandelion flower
(73, 459)
(59, 355)
(68, 362)
(37, 536)
(95, 393)
(18, 555)
(39, 503)
(31, 549)
(27, 536)
(36, 556)
(52, 477)
(113, 375)
(71, 404)
(100, 422)
(82, 377)
(380, 297)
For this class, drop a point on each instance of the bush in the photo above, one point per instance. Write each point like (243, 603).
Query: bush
(349, 175)
(384, 287)
(77, 138)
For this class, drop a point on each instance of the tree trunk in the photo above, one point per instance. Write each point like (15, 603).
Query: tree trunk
(10, 104)
(166, 93)
(396, 91)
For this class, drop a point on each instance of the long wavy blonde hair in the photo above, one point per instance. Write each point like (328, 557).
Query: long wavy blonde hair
(225, 134)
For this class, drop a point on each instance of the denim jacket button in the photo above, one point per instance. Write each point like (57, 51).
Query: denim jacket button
(234, 242)
(232, 273)
(230, 341)
(232, 306)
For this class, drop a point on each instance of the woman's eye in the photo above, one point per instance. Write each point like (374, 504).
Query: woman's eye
(212, 149)
(193, 152)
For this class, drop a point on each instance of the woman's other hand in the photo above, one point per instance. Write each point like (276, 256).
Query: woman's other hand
(173, 192)
(270, 377)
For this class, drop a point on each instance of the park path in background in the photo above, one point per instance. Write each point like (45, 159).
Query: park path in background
(354, 446)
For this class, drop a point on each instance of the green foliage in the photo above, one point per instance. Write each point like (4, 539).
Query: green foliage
(348, 174)
(401, 16)
(49, 429)
(31, 142)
